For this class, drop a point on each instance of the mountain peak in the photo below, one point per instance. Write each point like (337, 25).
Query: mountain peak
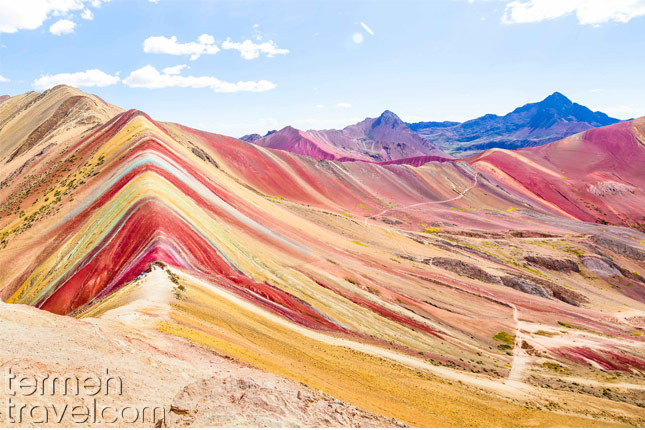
(287, 129)
(553, 118)
(388, 114)
(556, 99)
(388, 118)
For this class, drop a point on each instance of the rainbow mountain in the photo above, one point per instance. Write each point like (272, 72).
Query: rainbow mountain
(502, 289)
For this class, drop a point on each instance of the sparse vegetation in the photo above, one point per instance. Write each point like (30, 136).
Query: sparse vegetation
(507, 338)
(556, 367)
(545, 333)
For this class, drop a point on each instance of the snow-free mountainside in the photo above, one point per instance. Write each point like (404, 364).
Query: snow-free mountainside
(388, 138)
(240, 284)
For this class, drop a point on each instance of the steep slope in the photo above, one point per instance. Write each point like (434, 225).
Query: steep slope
(533, 124)
(36, 119)
(384, 138)
(299, 142)
(200, 387)
(594, 176)
(412, 293)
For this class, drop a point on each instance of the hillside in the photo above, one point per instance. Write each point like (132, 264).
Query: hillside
(594, 176)
(490, 291)
(384, 138)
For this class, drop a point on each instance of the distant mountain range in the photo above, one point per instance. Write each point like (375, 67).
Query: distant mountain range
(379, 139)
(388, 138)
(533, 124)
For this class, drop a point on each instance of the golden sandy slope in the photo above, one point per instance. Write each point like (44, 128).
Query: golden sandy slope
(37, 119)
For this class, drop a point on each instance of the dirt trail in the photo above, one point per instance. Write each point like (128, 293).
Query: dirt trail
(520, 357)
(459, 196)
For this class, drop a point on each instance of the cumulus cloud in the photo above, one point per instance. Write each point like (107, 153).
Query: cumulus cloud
(30, 14)
(175, 70)
(250, 50)
(343, 105)
(88, 78)
(3, 79)
(149, 77)
(205, 44)
(87, 14)
(62, 26)
(588, 12)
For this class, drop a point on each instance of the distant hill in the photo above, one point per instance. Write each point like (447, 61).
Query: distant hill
(255, 136)
(251, 137)
(383, 138)
(533, 124)
(594, 176)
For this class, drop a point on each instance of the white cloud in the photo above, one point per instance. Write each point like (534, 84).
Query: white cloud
(175, 70)
(206, 39)
(593, 12)
(366, 28)
(30, 14)
(149, 77)
(87, 14)
(88, 78)
(257, 32)
(205, 44)
(343, 105)
(320, 106)
(62, 26)
(3, 79)
(357, 38)
(250, 50)
(153, 1)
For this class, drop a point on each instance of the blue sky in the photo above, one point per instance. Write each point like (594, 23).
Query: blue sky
(326, 64)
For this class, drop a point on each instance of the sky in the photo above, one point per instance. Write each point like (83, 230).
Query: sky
(238, 67)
